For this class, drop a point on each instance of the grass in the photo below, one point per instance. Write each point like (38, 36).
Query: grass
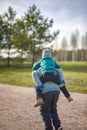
(75, 74)
(16, 76)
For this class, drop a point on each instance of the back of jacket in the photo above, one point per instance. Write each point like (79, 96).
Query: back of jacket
(46, 65)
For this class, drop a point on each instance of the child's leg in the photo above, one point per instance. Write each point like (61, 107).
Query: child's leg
(37, 88)
(38, 93)
(39, 98)
(62, 83)
(37, 82)
(66, 93)
(36, 79)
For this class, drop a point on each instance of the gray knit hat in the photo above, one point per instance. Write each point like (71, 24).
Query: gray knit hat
(46, 53)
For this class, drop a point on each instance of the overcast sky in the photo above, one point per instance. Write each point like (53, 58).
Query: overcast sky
(68, 15)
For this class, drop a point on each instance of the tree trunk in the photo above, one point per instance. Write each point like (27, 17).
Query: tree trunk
(73, 55)
(8, 58)
(65, 58)
(33, 58)
(82, 55)
(85, 54)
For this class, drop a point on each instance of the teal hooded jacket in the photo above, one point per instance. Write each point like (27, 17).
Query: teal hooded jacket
(46, 64)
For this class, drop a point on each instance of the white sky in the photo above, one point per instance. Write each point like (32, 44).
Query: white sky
(68, 15)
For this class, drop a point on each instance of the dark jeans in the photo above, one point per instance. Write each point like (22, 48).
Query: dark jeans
(50, 76)
(38, 93)
(65, 91)
(48, 110)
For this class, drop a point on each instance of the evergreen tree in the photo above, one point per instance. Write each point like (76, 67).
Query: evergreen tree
(6, 31)
(38, 30)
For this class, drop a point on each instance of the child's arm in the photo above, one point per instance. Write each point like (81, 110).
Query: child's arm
(57, 66)
(36, 66)
(60, 72)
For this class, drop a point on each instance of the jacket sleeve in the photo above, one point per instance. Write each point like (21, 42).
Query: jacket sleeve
(57, 66)
(60, 72)
(36, 66)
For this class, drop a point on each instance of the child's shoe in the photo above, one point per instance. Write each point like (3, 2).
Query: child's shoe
(70, 99)
(59, 128)
(39, 102)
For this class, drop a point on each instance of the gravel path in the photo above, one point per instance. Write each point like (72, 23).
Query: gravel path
(17, 111)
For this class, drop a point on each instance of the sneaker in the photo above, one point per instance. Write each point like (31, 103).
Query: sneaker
(39, 102)
(60, 128)
(70, 99)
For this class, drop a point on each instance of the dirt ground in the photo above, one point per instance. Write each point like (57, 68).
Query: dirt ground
(17, 111)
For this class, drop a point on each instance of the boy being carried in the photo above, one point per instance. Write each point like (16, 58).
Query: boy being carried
(49, 71)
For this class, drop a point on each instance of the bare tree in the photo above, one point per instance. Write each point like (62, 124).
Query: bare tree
(74, 44)
(83, 48)
(64, 46)
(86, 46)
